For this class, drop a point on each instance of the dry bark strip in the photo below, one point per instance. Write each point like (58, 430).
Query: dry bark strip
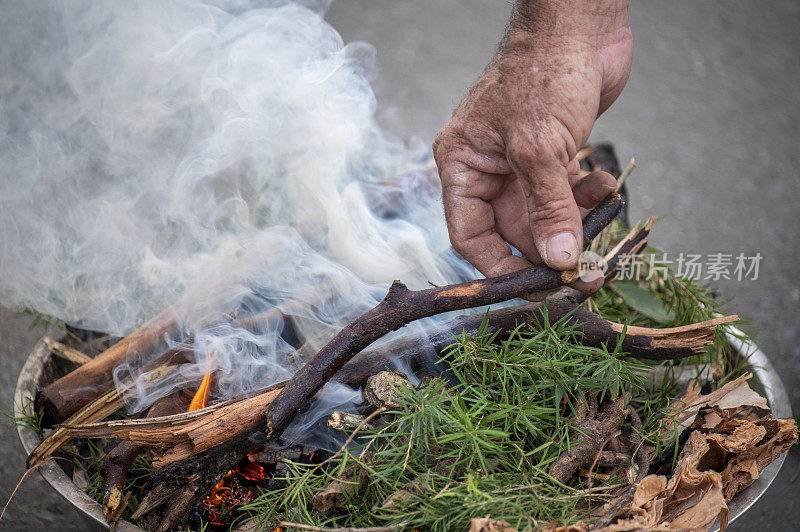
(402, 306)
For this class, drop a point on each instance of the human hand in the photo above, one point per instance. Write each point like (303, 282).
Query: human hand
(507, 157)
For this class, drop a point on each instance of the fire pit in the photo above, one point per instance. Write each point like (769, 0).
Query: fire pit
(34, 373)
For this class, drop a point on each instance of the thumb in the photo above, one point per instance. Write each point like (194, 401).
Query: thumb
(554, 216)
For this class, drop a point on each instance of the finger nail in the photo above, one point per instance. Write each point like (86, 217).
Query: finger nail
(562, 251)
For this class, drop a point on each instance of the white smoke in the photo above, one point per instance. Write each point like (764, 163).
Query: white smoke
(154, 149)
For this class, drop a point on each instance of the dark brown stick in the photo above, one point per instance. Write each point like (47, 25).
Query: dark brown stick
(402, 306)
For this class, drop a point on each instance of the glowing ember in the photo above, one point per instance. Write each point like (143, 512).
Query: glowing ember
(229, 492)
(253, 472)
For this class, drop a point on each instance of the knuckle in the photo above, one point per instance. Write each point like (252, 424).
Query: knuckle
(544, 142)
(446, 144)
(559, 210)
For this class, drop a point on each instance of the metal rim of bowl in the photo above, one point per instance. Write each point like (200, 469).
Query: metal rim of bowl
(28, 384)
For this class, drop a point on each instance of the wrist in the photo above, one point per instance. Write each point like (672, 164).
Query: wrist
(595, 23)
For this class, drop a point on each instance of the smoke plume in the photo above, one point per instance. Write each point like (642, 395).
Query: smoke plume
(225, 153)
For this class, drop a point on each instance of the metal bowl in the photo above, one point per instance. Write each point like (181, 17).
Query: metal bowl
(32, 374)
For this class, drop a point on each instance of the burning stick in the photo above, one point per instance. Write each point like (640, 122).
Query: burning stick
(105, 405)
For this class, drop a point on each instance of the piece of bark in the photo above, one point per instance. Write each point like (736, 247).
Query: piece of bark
(692, 499)
(346, 421)
(67, 353)
(383, 390)
(176, 509)
(153, 499)
(185, 433)
(750, 447)
(682, 411)
(487, 524)
(711, 469)
(402, 306)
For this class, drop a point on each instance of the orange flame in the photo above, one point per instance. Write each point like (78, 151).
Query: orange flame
(201, 395)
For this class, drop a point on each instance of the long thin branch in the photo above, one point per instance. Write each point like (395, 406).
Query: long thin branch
(402, 306)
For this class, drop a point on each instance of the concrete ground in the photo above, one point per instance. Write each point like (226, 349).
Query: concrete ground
(711, 113)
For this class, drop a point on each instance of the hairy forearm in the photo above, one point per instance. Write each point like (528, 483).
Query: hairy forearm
(596, 22)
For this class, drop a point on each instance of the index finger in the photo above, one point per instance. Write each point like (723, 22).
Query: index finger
(470, 220)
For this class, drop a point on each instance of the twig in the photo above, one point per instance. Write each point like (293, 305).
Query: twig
(626, 173)
(591, 433)
(14, 492)
(66, 352)
(312, 528)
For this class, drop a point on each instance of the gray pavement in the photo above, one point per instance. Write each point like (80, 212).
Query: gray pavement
(711, 114)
